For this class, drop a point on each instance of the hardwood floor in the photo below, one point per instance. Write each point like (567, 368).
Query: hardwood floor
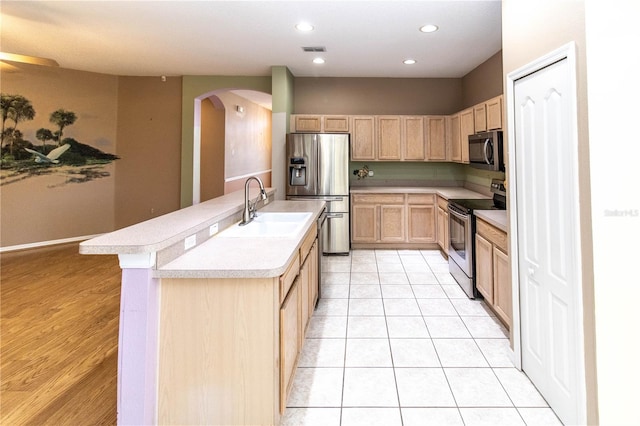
(59, 330)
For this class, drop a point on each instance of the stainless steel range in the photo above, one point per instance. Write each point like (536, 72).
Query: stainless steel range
(462, 229)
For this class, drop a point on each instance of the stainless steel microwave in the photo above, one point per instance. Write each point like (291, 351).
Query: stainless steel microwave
(485, 151)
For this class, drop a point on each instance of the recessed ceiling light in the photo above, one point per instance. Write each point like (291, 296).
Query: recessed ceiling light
(304, 27)
(318, 61)
(409, 61)
(429, 28)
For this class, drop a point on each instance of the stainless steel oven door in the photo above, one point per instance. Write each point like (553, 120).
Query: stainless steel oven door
(460, 243)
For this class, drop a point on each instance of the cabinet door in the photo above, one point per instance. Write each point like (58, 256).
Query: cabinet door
(422, 220)
(466, 129)
(389, 137)
(392, 223)
(443, 229)
(362, 138)
(455, 140)
(502, 302)
(303, 298)
(494, 113)
(313, 278)
(308, 123)
(480, 118)
(413, 137)
(364, 226)
(289, 338)
(335, 124)
(484, 268)
(436, 138)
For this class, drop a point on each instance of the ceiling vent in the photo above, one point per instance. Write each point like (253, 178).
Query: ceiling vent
(314, 48)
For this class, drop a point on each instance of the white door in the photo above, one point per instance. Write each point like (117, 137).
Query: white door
(548, 237)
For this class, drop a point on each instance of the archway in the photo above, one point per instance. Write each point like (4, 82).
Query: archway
(231, 141)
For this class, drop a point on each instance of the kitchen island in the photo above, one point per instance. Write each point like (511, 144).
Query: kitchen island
(212, 320)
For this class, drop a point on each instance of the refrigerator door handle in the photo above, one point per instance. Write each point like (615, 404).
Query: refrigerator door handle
(334, 215)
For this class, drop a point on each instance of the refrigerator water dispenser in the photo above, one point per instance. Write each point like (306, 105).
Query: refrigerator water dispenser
(297, 172)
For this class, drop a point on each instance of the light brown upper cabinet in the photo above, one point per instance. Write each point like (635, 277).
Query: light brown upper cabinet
(389, 131)
(480, 117)
(453, 137)
(488, 115)
(335, 124)
(363, 141)
(413, 146)
(314, 123)
(436, 138)
(494, 113)
(307, 123)
(466, 128)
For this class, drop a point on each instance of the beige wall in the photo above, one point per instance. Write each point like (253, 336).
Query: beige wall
(197, 88)
(484, 82)
(47, 207)
(149, 126)
(247, 137)
(377, 95)
(529, 31)
(212, 125)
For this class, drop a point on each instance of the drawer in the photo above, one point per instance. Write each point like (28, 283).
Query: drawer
(289, 276)
(420, 198)
(493, 234)
(443, 203)
(379, 198)
(308, 242)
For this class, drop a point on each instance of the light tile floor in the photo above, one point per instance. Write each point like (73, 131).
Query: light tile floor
(395, 341)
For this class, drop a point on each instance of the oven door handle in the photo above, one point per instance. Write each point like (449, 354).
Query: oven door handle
(458, 215)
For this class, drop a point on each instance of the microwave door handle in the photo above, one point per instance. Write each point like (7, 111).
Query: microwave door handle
(486, 145)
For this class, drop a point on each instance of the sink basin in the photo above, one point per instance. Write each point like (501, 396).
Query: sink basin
(282, 225)
(281, 217)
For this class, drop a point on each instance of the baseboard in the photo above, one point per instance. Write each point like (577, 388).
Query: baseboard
(46, 243)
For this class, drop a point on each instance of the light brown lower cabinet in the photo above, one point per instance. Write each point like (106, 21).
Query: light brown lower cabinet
(421, 211)
(289, 341)
(443, 225)
(228, 347)
(397, 220)
(493, 275)
(378, 218)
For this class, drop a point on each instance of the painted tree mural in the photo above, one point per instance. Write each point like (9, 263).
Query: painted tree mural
(20, 158)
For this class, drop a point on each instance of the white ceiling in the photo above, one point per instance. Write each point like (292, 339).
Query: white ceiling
(362, 38)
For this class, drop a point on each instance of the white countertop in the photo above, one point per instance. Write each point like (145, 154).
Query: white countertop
(497, 218)
(217, 256)
(225, 257)
(160, 232)
(444, 191)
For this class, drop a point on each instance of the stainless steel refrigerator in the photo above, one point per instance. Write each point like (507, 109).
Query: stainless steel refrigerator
(318, 168)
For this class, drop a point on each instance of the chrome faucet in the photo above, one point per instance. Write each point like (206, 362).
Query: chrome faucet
(250, 209)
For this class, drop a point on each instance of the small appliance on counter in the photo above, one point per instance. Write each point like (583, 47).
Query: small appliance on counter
(462, 229)
(318, 168)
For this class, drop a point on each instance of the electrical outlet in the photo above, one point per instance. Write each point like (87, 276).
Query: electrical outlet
(189, 242)
(370, 173)
(213, 229)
